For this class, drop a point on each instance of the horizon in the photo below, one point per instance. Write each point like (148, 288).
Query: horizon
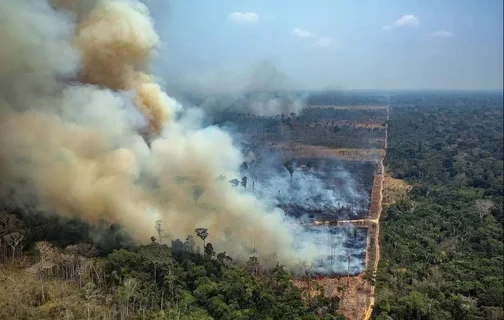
(383, 91)
(400, 45)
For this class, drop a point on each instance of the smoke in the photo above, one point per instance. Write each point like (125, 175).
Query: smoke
(77, 101)
(316, 185)
(318, 189)
(264, 91)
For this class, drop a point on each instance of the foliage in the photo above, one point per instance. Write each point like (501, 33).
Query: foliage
(442, 250)
(150, 282)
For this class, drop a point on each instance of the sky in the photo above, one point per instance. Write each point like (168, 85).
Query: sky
(334, 44)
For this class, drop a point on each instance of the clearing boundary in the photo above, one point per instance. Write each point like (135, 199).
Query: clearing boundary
(356, 294)
(376, 236)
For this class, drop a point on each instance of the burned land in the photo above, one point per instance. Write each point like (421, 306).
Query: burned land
(319, 189)
(328, 127)
(348, 260)
(314, 186)
(310, 187)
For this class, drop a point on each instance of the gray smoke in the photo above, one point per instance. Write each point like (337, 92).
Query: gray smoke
(264, 91)
(77, 101)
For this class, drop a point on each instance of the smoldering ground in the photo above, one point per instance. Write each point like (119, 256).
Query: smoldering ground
(341, 250)
(320, 188)
(78, 102)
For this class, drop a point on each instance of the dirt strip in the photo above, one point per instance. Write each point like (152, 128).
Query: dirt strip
(376, 237)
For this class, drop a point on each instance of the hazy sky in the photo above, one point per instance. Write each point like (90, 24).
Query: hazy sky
(363, 44)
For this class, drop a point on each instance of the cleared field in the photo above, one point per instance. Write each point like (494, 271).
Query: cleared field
(318, 189)
(342, 248)
(363, 107)
(297, 150)
(315, 188)
(352, 291)
(375, 203)
(323, 127)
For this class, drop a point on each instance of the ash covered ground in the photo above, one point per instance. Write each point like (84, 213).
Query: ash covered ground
(307, 189)
(343, 249)
(317, 189)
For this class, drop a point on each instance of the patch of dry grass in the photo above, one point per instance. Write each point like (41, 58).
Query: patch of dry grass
(353, 293)
(394, 190)
(308, 151)
(362, 107)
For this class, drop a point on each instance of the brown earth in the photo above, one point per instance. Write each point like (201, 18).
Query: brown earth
(353, 293)
(375, 206)
(298, 150)
(373, 242)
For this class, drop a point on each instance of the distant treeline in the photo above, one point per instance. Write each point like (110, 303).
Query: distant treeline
(341, 98)
(361, 115)
(449, 99)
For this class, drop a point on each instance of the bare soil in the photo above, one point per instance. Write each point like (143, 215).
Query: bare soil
(353, 292)
(375, 206)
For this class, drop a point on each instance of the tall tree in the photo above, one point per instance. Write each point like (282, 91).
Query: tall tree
(244, 166)
(483, 207)
(224, 259)
(189, 244)
(253, 265)
(289, 165)
(91, 294)
(14, 240)
(202, 233)
(209, 250)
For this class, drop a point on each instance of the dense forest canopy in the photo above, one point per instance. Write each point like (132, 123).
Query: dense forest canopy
(442, 250)
(343, 98)
(113, 278)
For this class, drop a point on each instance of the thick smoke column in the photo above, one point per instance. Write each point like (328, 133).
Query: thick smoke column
(76, 103)
(72, 146)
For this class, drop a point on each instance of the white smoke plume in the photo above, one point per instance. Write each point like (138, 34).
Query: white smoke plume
(263, 91)
(77, 101)
(316, 185)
